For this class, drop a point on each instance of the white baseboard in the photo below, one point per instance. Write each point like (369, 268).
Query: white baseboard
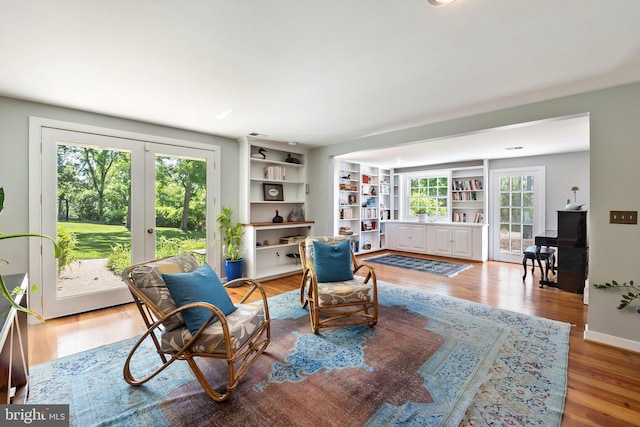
(601, 338)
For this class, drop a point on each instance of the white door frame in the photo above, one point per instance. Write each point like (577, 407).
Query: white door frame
(539, 173)
(41, 255)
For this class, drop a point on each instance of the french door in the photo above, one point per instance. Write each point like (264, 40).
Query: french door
(122, 200)
(517, 211)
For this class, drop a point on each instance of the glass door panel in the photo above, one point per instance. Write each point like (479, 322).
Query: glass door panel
(518, 197)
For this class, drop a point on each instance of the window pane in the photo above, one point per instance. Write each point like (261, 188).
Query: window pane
(527, 216)
(516, 215)
(504, 215)
(504, 184)
(516, 183)
(516, 199)
(504, 199)
(527, 199)
(527, 232)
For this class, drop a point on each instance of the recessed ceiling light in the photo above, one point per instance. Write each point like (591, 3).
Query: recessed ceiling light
(292, 143)
(514, 148)
(439, 2)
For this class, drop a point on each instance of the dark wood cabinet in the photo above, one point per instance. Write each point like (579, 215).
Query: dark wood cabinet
(572, 250)
(572, 257)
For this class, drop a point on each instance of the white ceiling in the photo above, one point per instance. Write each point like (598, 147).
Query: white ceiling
(553, 136)
(316, 72)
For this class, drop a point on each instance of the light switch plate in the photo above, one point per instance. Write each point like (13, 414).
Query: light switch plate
(623, 217)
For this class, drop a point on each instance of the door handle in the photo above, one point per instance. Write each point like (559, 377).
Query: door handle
(150, 230)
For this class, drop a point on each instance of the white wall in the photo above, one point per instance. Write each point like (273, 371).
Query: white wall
(614, 174)
(563, 171)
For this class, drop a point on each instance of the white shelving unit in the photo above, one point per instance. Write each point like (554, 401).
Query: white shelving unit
(386, 204)
(358, 213)
(369, 208)
(270, 183)
(468, 201)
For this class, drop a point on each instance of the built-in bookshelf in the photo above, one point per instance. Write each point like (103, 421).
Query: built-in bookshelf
(359, 213)
(273, 192)
(468, 195)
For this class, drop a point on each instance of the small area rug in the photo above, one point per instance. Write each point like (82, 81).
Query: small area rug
(432, 360)
(441, 268)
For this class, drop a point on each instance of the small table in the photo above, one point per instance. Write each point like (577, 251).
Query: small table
(14, 356)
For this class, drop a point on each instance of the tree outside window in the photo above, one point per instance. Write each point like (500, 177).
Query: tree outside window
(429, 195)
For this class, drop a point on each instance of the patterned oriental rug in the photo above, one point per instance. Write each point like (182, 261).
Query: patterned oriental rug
(441, 268)
(432, 360)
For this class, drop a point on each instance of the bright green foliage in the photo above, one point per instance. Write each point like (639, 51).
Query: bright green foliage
(67, 242)
(233, 232)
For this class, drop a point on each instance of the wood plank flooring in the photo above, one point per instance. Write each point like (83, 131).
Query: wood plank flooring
(603, 382)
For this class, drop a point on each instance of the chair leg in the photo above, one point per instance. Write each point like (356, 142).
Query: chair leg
(524, 265)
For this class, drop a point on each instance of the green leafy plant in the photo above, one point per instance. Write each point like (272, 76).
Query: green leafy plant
(67, 242)
(627, 298)
(233, 232)
(10, 295)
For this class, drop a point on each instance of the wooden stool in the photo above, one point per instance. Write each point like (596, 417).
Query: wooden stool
(539, 253)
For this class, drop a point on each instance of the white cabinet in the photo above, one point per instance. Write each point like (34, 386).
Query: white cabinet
(452, 241)
(273, 181)
(467, 241)
(408, 237)
(458, 241)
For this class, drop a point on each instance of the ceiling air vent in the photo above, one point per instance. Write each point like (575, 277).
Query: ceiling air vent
(258, 135)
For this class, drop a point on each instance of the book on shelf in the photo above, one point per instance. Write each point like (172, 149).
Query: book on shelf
(478, 218)
(345, 231)
(459, 217)
(291, 239)
(275, 173)
(466, 185)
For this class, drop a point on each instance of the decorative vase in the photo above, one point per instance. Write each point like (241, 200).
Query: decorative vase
(422, 217)
(233, 268)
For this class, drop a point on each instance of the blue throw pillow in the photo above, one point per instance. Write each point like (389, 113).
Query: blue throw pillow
(332, 263)
(200, 285)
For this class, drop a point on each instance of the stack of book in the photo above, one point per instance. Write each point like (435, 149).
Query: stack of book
(345, 231)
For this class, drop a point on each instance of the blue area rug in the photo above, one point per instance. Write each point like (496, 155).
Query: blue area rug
(432, 360)
(441, 268)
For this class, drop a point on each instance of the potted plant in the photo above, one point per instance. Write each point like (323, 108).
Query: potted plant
(422, 214)
(10, 295)
(232, 248)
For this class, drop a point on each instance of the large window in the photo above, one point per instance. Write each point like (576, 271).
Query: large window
(429, 195)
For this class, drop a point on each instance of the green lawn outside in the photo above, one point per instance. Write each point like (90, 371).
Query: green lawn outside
(96, 240)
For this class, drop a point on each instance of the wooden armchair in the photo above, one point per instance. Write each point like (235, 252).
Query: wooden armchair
(237, 338)
(334, 294)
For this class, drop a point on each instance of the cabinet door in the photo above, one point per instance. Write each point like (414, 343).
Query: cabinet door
(403, 237)
(442, 243)
(418, 238)
(462, 242)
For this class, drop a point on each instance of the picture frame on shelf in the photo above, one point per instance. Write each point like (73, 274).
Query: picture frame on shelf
(273, 192)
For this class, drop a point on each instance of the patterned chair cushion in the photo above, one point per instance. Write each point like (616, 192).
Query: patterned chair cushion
(148, 278)
(242, 323)
(349, 291)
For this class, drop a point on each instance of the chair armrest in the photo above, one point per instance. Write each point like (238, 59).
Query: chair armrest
(371, 273)
(253, 286)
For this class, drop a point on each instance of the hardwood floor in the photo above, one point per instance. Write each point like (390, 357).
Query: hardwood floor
(603, 382)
